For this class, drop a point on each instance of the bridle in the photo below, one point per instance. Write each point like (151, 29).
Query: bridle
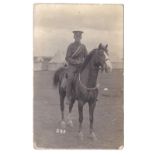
(107, 59)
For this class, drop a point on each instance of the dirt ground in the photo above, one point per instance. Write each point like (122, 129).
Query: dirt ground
(109, 116)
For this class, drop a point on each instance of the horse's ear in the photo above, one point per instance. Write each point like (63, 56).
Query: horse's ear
(100, 46)
(106, 46)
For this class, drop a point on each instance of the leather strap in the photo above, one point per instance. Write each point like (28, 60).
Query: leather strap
(76, 51)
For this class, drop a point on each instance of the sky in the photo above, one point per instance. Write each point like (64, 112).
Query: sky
(54, 23)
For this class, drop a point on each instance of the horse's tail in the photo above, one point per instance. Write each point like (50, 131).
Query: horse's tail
(58, 75)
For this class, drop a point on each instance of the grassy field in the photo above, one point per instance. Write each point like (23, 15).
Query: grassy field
(108, 123)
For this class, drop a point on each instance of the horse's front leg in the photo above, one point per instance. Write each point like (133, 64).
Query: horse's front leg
(69, 119)
(80, 109)
(91, 118)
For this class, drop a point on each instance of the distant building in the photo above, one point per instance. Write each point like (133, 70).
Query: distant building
(54, 66)
(41, 63)
(37, 63)
(57, 61)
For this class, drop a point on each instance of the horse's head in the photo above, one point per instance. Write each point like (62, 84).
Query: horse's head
(101, 58)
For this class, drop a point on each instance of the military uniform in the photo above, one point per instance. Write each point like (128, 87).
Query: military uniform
(75, 56)
(74, 60)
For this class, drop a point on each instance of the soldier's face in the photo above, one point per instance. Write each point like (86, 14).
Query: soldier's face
(77, 38)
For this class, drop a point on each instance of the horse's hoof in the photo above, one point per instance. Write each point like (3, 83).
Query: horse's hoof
(63, 124)
(81, 136)
(92, 136)
(70, 123)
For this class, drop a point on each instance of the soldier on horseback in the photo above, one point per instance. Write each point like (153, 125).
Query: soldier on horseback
(75, 56)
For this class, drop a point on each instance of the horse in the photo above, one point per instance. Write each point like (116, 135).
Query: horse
(85, 89)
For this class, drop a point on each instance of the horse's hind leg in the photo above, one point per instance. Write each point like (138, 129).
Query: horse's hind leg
(91, 118)
(69, 119)
(62, 96)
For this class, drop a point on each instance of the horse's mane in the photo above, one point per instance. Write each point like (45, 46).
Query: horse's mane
(87, 59)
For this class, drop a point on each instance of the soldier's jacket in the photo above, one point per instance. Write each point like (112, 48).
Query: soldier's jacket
(76, 58)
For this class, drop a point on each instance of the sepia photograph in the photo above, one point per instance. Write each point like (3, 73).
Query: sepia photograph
(78, 67)
(77, 76)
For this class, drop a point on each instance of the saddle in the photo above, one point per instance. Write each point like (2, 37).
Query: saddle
(65, 76)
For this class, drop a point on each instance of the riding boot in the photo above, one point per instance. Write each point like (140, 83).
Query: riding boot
(67, 100)
(70, 77)
(68, 92)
